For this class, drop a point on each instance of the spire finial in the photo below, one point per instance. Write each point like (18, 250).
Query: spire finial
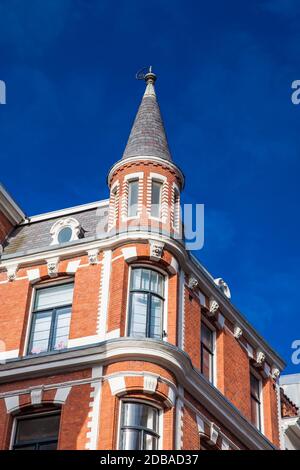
(150, 77)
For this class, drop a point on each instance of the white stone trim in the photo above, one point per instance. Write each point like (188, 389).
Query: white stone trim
(170, 401)
(200, 424)
(130, 254)
(104, 294)
(94, 413)
(72, 266)
(134, 176)
(33, 275)
(36, 396)
(181, 310)
(12, 403)
(5, 355)
(117, 384)
(225, 444)
(173, 266)
(83, 341)
(150, 383)
(179, 420)
(62, 394)
(113, 334)
(156, 250)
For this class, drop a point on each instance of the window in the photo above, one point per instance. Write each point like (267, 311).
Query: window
(133, 192)
(37, 432)
(139, 427)
(65, 230)
(207, 352)
(146, 303)
(64, 235)
(156, 198)
(51, 319)
(255, 401)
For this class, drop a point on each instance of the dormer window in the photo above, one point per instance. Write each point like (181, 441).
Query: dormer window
(65, 230)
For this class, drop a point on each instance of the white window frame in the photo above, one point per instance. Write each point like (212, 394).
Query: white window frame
(49, 283)
(139, 176)
(214, 332)
(176, 191)
(166, 291)
(59, 225)
(144, 402)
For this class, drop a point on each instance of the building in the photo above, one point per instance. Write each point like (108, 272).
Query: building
(290, 411)
(113, 336)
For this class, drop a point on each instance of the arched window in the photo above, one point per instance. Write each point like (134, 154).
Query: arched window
(36, 431)
(146, 303)
(139, 428)
(176, 209)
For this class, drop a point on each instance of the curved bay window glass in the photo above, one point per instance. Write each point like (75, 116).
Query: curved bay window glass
(51, 319)
(139, 427)
(146, 304)
(37, 432)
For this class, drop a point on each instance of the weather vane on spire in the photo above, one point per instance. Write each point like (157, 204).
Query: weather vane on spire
(146, 74)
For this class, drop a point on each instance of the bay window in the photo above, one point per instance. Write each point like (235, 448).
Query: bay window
(146, 304)
(139, 426)
(51, 318)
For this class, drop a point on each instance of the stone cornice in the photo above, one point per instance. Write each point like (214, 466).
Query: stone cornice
(162, 161)
(157, 352)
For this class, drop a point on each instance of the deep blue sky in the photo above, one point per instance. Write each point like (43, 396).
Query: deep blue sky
(225, 70)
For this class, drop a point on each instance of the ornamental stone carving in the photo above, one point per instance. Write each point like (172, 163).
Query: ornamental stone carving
(213, 307)
(223, 287)
(260, 358)
(275, 373)
(156, 250)
(52, 266)
(193, 283)
(93, 256)
(237, 332)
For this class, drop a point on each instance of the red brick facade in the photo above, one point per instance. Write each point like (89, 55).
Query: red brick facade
(103, 366)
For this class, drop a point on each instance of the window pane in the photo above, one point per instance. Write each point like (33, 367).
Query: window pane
(62, 328)
(65, 235)
(136, 279)
(145, 281)
(150, 442)
(37, 428)
(138, 414)
(156, 317)
(133, 191)
(207, 337)
(50, 297)
(138, 314)
(157, 283)
(255, 413)
(206, 363)
(41, 333)
(254, 384)
(156, 198)
(131, 439)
